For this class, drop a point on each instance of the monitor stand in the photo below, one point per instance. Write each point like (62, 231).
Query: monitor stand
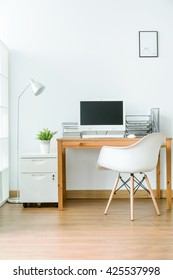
(102, 134)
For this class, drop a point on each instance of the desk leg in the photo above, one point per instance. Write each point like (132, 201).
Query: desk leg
(64, 172)
(168, 174)
(158, 178)
(60, 176)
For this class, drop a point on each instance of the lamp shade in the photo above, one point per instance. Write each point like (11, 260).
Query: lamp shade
(37, 88)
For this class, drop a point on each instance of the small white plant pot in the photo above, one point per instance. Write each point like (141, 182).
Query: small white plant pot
(45, 147)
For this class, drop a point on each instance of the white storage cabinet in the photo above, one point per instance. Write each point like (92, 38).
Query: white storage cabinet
(38, 179)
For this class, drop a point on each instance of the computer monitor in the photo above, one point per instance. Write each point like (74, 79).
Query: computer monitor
(104, 115)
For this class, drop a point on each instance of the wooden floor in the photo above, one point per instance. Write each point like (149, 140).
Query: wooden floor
(82, 231)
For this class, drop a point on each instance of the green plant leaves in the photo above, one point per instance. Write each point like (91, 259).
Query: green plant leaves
(45, 134)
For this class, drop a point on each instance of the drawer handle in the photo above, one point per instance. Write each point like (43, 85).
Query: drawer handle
(38, 161)
(38, 176)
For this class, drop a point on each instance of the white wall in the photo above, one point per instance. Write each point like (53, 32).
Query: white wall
(84, 49)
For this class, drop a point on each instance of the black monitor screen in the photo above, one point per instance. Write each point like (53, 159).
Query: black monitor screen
(101, 113)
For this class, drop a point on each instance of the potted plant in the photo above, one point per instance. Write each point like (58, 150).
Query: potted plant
(44, 137)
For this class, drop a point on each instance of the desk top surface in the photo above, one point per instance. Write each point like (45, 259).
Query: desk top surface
(96, 142)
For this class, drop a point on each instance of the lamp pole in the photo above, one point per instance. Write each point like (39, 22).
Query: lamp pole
(37, 89)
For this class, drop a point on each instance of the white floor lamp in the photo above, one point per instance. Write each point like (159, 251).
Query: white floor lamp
(37, 89)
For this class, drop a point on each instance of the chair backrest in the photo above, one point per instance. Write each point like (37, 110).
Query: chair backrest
(139, 157)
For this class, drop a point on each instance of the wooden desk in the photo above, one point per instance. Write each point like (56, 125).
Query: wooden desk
(82, 143)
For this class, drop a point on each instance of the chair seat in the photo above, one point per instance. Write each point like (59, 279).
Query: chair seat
(139, 157)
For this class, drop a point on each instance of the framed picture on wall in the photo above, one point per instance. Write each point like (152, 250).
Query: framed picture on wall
(148, 43)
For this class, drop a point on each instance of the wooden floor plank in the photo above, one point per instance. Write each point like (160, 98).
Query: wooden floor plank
(82, 231)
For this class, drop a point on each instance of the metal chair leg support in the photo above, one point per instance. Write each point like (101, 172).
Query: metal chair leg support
(124, 184)
(140, 184)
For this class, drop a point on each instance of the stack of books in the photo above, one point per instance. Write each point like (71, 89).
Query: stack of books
(70, 130)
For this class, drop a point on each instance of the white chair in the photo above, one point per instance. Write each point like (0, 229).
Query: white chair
(140, 157)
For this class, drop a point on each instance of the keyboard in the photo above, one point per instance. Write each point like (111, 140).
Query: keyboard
(103, 136)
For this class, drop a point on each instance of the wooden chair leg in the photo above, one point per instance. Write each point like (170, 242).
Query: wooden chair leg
(112, 193)
(132, 198)
(152, 196)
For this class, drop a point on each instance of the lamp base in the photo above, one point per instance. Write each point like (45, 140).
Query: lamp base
(14, 200)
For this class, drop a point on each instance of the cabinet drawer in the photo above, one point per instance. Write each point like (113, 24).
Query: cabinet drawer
(38, 187)
(38, 165)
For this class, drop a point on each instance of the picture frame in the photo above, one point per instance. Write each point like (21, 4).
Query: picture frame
(148, 43)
